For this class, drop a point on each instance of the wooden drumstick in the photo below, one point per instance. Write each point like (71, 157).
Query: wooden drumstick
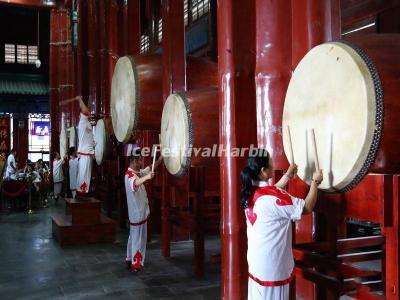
(290, 146)
(154, 158)
(314, 145)
(155, 152)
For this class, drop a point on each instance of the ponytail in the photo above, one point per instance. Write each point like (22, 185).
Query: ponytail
(255, 162)
(247, 187)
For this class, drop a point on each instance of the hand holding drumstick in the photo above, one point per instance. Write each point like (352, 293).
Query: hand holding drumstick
(82, 104)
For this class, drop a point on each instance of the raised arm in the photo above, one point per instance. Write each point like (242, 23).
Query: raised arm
(82, 104)
(292, 171)
(311, 198)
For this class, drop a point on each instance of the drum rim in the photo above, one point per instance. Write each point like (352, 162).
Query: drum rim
(135, 123)
(367, 159)
(188, 158)
(379, 116)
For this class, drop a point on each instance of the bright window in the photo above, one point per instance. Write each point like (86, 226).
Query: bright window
(9, 53)
(39, 136)
(22, 54)
(144, 44)
(160, 30)
(32, 54)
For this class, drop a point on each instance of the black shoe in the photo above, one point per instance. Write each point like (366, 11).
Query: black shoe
(128, 264)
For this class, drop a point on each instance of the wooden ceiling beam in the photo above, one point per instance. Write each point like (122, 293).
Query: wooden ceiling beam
(355, 11)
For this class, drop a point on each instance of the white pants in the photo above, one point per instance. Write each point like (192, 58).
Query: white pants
(84, 173)
(57, 189)
(259, 292)
(136, 248)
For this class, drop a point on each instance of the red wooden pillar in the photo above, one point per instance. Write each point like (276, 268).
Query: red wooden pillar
(174, 79)
(113, 47)
(80, 56)
(238, 128)
(392, 235)
(64, 44)
(103, 25)
(273, 72)
(313, 22)
(92, 56)
(133, 27)
(53, 82)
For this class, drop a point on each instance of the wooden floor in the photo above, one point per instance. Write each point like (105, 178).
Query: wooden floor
(34, 266)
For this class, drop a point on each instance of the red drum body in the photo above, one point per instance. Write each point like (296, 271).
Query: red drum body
(190, 130)
(136, 91)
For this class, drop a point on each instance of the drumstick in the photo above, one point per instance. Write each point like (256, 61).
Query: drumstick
(314, 145)
(290, 146)
(154, 158)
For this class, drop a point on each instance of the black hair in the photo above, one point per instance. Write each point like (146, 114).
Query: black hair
(135, 155)
(258, 159)
(71, 151)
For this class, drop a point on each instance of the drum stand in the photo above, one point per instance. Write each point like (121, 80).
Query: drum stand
(336, 264)
(190, 218)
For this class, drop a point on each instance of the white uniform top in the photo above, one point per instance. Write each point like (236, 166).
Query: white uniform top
(136, 196)
(73, 173)
(85, 136)
(10, 162)
(58, 171)
(269, 233)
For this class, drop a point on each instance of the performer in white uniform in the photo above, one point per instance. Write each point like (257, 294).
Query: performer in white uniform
(85, 146)
(73, 171)
(269, 212)
(11, 166)
(138, 209)
(58, 176)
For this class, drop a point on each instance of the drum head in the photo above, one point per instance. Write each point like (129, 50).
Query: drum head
(63, 142)
(100, 139)
(124, 99)
(176, 134)
(72, 137)
(335, 91)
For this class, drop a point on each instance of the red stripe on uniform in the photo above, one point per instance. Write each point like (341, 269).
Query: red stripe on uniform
(140, 223)
(272, 283)
(85, 154)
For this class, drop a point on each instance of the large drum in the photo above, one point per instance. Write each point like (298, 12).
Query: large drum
(63, 141)
(72, 137)
(136, 91)
(349, 93)
(190, 130)
(102, 134)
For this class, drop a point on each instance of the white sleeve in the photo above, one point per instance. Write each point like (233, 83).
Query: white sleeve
(290, 209)
(145, 171)
(132, 183)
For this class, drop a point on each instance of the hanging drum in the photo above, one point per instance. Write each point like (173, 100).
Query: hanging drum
(136, 91)
(337, 90)
(102, 133)
(189, 130)
(63, 142)
(72, 139)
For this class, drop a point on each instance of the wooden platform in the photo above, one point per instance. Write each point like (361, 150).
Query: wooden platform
(83, 223)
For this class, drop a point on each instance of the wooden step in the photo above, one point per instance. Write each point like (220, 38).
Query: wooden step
(67, 233)
(84, 211)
